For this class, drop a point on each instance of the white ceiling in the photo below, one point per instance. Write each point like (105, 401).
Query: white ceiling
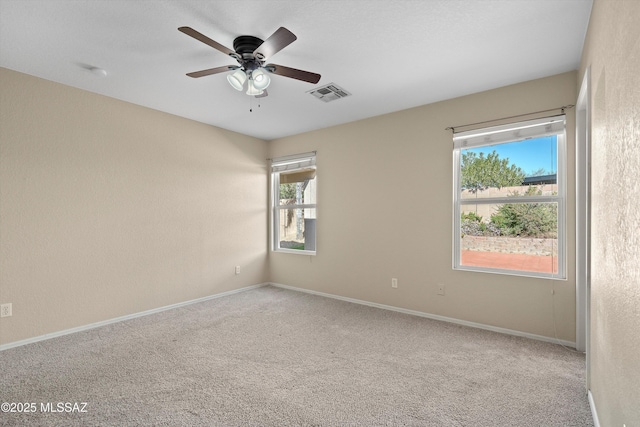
(390, 54)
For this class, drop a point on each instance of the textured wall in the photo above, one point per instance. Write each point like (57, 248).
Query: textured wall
(385, 210)
(108, 208)
(612, 51)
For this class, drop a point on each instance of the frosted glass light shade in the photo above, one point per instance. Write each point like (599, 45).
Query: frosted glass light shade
(260, 79)
(237, 79)
(252, 90)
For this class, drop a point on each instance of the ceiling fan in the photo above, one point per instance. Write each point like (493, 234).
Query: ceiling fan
(251, 54)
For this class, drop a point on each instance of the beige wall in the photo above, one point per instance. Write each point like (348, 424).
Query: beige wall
(612, 52)
(385, 210)
(109, 209)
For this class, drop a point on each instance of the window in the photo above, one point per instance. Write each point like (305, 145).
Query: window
(294, 203)
(509, 199)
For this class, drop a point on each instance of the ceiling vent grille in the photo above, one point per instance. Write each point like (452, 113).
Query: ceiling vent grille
(329, 92)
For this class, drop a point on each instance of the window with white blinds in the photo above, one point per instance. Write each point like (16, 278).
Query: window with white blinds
(510, 199)
(293, 180)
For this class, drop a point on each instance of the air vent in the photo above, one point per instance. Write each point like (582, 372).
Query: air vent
(329, 93)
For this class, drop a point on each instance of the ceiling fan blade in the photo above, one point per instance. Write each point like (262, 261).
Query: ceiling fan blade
(263, 94)
(274, 44)
(281, 70)
(213, 71)
(206, 40)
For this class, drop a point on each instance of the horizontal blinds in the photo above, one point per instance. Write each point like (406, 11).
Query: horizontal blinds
(292, 163)
(297, 176)
(510, 133)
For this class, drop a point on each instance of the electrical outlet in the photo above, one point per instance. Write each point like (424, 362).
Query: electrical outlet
(237, 269)
(440, 289)
(394, 283)
(5, 310)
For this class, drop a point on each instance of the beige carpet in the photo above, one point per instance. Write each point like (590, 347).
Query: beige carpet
(274, 357)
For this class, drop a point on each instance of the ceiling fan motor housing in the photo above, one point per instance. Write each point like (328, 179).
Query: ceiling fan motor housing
(244, 47)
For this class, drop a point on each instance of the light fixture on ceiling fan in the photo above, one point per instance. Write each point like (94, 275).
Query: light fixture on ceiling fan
(251, 54)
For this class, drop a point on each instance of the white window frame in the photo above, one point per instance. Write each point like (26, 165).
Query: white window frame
(288, 164)
(514, 132)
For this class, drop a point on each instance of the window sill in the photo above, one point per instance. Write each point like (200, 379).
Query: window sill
(518, 273)
(294, 251)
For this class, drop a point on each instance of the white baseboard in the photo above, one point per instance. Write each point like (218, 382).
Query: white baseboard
(433, 316)
(594, 413)
(123, 318)
(293, 288)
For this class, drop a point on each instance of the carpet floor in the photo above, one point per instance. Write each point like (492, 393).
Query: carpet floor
(275, 357)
